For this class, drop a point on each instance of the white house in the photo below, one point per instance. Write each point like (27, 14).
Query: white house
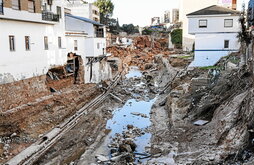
(32, 38)
(87, 38)
(189, 6)
(215, 29)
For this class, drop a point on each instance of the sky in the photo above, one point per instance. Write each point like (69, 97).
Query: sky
(140, 12)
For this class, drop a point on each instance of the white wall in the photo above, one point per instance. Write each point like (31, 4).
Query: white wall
(21, 64)
(214, 24)
(209, 48)
(76, 25)
(91, 48)
(100, 71)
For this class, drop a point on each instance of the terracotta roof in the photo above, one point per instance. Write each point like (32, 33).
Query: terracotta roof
(214, 10)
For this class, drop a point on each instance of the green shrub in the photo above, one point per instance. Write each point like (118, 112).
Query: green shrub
(176, 37)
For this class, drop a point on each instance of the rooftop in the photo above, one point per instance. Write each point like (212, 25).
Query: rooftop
(85, 19)
(214, 10)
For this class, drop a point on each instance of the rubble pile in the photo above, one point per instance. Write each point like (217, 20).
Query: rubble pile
(144, 53)
(122, 147)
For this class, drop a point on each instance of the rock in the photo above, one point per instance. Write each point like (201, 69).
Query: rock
(125, 148)
(148, 66)
(200, 122)
(102, 158)
(139, 114)
(131, 143)
(117, 158)
(163, 102)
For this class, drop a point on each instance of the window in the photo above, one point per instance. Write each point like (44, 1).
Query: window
(46, 44)
(98, 45)
(59, 11)
(31, 7)
(1, 7)
(228, 23)
(12, 43)
(15, 4)
(75, 45)
(226, 44)
(202, 23)
(27, 42)
(59, 42)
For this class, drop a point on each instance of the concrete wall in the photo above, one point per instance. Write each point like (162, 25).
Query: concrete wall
(211, 22)
(209, 48)
(100, 71)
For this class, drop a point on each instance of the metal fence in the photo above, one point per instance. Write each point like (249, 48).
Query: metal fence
(49, 16)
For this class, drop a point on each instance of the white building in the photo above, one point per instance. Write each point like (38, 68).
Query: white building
(32, 38)
(215, 29)
(155, 21)
(175, 16)
(188, 6)
(84, 9)
(87, 38)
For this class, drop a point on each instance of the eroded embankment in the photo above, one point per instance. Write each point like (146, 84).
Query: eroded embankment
(223, 100)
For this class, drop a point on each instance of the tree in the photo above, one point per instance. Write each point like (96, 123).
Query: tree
(113, 25)
(130, 28)
(106, 10)
(176, 37)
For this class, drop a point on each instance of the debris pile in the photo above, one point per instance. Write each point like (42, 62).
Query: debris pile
(122, 147)
(143, 54)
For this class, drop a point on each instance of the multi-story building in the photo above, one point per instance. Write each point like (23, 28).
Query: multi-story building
(175, 16)
(84, 9)
(187, 6)
(166, 17)
(155, 21)
(213, 42)
(32, 38)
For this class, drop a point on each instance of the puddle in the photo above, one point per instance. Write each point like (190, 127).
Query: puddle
(134, 72)
(135, 112)
(123, 117)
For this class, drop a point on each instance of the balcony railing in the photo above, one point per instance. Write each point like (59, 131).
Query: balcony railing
(49, 16)
(1, 8)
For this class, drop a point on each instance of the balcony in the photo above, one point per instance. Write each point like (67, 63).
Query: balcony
(1, 8)
(49, 16)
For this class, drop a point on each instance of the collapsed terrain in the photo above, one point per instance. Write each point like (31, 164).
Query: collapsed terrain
(195, 115)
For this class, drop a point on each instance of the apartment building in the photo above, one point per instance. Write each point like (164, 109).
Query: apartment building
(32, 38)
(175, 16)
(84, 9)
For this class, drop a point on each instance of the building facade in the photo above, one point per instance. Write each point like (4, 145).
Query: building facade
(175, 16)
(83, 9)
(32, 38)
(187, 6)
(87, 38)
(213, 42)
